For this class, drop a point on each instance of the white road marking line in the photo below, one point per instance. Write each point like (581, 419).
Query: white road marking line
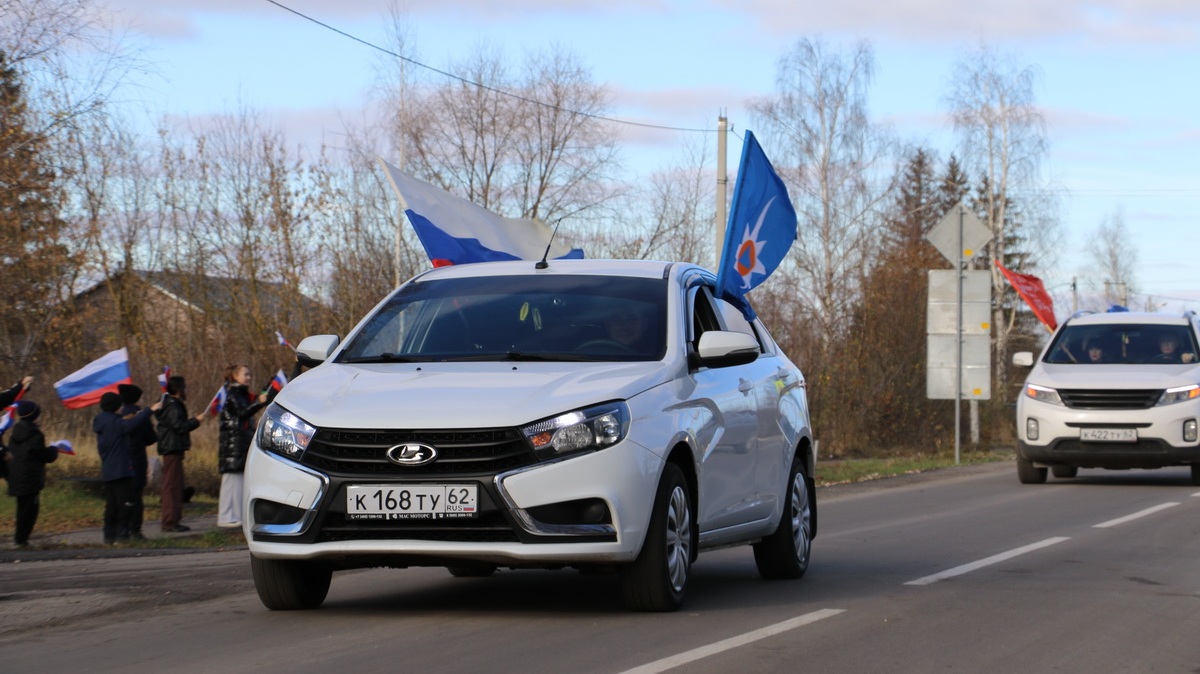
(1196, 494)
(994, 559)
(733, 642)
(1134, 516)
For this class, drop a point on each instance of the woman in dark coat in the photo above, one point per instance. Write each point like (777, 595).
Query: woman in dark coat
(27, 459)
(237, 431)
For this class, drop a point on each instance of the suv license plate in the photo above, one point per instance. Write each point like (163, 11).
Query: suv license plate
(411, 501)
(1108, 434)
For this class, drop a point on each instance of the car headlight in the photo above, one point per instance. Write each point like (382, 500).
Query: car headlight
(583, 430)
(1046, 395)
(284, 433)
(1179, 394)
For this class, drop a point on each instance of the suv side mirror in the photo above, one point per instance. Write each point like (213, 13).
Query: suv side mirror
(722, 348)
(314, 349)
(1023, 358)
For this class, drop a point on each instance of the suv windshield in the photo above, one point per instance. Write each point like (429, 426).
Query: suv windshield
(1123, 343)
(517, 318)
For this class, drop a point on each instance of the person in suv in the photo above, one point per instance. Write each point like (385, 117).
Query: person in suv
(1114, 390)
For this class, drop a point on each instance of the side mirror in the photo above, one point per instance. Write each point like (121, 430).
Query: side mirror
(314, 349)
(721, 348)
(1023, 359)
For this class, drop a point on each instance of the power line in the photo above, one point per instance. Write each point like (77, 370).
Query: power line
(480, 85)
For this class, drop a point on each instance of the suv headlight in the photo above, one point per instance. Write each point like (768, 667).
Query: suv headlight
(1046, 395)
(284, 433)
(1179, 394)
(583, 430)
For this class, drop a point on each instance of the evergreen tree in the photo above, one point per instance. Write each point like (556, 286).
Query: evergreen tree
(33, 256)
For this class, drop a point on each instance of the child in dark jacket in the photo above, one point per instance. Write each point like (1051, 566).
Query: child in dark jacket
(27, 459)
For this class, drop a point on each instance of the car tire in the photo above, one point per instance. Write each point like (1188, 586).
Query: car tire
(290, 584)
(471, 570)
(1196, 473)
(657, 579)
(785, 553)
(1028, 473)
(1064, 471)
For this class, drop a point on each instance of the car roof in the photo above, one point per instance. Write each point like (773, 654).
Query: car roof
(589, 267)
(1128, 317)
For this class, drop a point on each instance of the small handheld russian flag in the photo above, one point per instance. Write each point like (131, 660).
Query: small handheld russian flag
(217, 403)
(282, 341)
(162, 378)
(64, 447)
(8, 417)
(278, 381)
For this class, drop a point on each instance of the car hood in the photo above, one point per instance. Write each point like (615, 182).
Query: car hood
(459, 395)
(1069, 376)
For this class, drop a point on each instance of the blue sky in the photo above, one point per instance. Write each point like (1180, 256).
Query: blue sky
(1114, 81)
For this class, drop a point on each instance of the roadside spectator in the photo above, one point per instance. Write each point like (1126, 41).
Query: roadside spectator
(174, 440)
(139, 439)
(237, 430)
(116, 466)
(27, 459)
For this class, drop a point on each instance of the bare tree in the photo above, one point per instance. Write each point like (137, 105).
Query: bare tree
(1114, 257)
(837, 163)
(1002, 135)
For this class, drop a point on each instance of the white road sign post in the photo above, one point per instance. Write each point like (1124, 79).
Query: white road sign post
(958, 236)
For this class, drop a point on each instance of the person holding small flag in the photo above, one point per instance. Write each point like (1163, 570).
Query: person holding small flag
(11, 395)
(116, 466)
(237, 431)
(139, 439)
(174, 440)
(27, 459)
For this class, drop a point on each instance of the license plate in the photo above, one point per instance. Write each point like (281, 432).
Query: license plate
(412, 501)
(1108, 434)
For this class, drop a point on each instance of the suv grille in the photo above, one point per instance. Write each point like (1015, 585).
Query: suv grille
(460, 452)
(1110, 399)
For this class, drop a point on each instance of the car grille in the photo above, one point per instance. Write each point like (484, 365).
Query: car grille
(350, 452)
(490, 527)
(1110, 399)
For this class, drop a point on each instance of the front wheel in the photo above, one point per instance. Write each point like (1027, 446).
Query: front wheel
(785, 553)
(1028, 473)
(290, 584)
(657, 579)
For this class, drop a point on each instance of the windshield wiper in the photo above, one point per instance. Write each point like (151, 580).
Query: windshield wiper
(387, 357)
(519, 356)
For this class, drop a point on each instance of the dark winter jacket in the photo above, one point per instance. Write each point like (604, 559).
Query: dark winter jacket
(237, 428)
(112, 441)
(174, 427)
(139, 439)
(28, 456)
(9, 395)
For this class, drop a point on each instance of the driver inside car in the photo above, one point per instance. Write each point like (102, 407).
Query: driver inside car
(625, 327)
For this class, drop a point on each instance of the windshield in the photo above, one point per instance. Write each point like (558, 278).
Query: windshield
(539, 317)
(1123, 343)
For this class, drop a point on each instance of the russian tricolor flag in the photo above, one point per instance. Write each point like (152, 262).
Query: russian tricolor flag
(283, 341)
(85, 386)
(162, 378)
(217, 403)
(456, 231)
(278, 381)
(8, 418)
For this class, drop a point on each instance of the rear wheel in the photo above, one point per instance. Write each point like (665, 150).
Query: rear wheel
(785, 553)
(1028, 473)
(290, 584)
(657, 579)
(1064, 471)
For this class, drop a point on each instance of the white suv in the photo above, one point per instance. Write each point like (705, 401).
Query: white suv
(603, 415)
(1113, 390)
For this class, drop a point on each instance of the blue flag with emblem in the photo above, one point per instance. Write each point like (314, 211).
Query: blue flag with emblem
(762, 227)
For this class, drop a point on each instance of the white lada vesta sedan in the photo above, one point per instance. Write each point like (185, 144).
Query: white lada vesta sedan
(601, 415)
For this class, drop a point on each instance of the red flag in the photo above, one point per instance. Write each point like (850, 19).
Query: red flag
(1031, 290)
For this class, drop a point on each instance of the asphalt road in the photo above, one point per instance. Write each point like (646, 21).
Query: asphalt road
(961, 570)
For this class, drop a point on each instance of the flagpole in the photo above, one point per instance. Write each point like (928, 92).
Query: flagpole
(722, 181)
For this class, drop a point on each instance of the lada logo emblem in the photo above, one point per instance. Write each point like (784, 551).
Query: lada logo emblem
(411, 454)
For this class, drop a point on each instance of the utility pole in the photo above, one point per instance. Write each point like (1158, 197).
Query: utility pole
(722, 183)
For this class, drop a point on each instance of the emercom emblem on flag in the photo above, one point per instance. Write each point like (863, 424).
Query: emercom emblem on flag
(762, 227)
